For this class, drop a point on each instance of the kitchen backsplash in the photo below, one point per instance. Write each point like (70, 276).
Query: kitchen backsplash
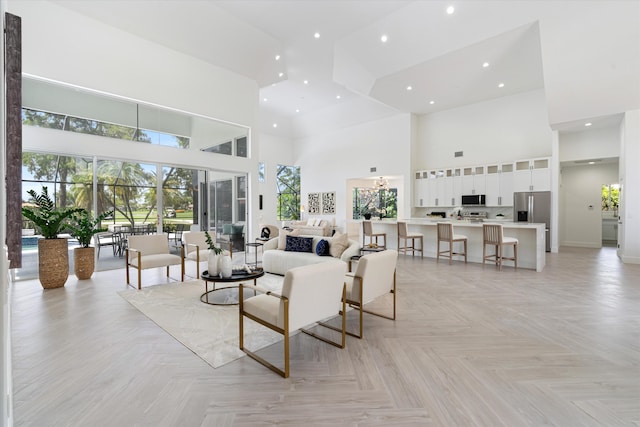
(492, 211)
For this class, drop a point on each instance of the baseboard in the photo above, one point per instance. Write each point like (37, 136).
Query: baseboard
(630, 259)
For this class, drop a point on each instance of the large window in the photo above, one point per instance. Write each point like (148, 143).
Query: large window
(288, 188)
(49, 120)
(610, 197)
(370, 202)
(65, 177)
(180, 195)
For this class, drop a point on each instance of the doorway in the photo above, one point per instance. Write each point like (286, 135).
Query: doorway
(610, 205)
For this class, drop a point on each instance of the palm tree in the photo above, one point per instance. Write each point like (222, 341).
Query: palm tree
(124, 184)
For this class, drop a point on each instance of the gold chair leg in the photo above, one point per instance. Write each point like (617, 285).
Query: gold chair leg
(361, 310)
(285, 332)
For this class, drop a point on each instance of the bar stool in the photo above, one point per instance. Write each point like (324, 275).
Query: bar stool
(367, 231)
(492, 235)
(445, 234)
(403, 233)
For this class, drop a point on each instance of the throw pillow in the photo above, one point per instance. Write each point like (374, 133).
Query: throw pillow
(299, 244)
(310, 222)
(339, 242)
(322, 248)
(282, 238)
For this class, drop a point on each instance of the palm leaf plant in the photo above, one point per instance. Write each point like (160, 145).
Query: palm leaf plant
(48, 220)
(83, 227)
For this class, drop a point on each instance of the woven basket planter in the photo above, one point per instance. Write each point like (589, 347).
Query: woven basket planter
(84, 262)
(53, 262)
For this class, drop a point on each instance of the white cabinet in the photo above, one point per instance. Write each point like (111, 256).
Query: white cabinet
(452, 193)
(499, 185)
(609, 229)
(473, 180)
(456, 187)
(532, 175)
(506, 185)
(419, 189)
(435, 188)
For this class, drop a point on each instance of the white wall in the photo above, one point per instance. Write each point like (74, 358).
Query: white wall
(600, 143)
(92, 55)
(328, 160)
(630, 182)
(504, 129)
(580, 203)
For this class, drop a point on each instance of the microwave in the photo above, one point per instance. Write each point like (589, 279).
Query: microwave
(473, 200)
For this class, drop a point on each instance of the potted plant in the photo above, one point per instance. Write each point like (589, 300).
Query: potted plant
(53, 255)
(214, 251)
(83, 228)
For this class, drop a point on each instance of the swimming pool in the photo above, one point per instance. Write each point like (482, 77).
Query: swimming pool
(30, 242)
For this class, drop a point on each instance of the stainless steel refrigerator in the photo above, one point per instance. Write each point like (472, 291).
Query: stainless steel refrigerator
(534, 206)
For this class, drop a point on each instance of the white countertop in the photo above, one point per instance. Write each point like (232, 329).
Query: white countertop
(507, 223)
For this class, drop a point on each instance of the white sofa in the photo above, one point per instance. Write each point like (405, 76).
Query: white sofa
(312, 227)
(278, 261)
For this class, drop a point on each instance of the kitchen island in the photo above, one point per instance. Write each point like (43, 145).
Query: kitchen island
(531, 237)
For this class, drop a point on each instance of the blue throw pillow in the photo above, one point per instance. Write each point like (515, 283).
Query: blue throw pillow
(299, 244)
(322, 248)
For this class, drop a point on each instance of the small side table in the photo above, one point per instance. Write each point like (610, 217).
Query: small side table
(363, 252)
(255, 245)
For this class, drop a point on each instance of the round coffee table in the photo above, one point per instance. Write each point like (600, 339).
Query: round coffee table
(227, 295)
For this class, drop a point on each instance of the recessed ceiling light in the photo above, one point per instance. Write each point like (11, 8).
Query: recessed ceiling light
(384, 38)
(297, 110)
(338, 97)
(316, 35)
(277, 57)
(280, 74)
(275, 125)
(500, 84)
(588, 124)
(485, 64)
(265, 99)
(450, 10)
(432, 102)
(409, 88)
(306, 82)
(592, 163)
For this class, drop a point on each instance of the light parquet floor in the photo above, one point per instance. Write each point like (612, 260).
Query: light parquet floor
(471, 347)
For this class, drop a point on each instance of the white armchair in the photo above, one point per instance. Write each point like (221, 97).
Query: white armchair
(309, 294)
(375, 276)
(151, 251)
(195, 247)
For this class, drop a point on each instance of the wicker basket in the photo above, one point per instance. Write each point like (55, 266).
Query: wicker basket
(53, 262)
(83, 262)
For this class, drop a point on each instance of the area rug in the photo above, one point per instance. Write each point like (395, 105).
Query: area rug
(211, 332)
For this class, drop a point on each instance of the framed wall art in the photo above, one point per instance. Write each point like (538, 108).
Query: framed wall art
(314, 203)
(329, 203)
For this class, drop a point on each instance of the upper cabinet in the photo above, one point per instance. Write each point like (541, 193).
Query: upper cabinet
(419, 189)
(499, 185)
(498, 181)
(473, 180)
(453, 187)
(532, 175)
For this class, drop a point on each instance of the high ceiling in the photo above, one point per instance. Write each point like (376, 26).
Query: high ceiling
(586, 55)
